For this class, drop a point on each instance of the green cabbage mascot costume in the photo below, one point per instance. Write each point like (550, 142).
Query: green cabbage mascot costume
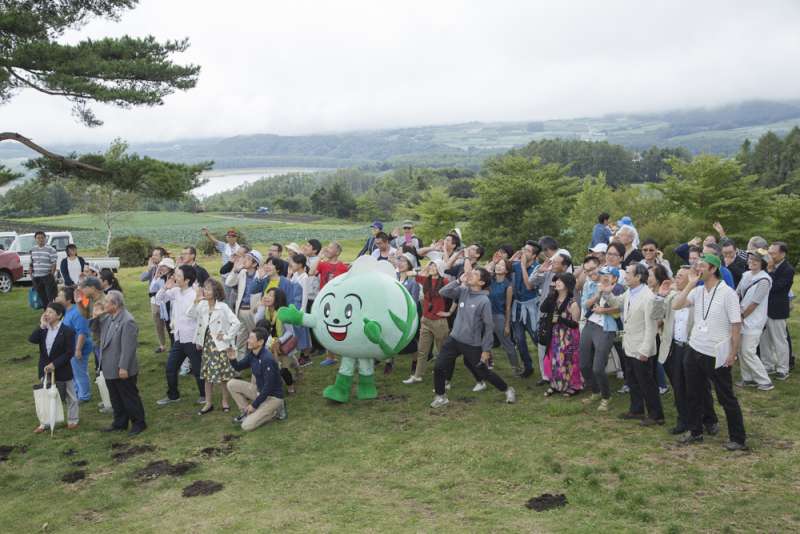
(362, 315)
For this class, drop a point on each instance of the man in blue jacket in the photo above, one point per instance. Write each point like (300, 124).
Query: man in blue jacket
(263, 401)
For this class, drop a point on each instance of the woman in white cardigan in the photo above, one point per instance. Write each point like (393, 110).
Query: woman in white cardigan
(217, 327)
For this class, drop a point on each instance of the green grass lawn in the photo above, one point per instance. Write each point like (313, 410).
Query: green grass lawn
(392, 464)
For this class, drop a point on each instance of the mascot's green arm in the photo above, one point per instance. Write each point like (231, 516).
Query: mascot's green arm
(291, 315)
(403, 326)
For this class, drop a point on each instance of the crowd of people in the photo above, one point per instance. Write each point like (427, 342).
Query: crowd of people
(618, 308)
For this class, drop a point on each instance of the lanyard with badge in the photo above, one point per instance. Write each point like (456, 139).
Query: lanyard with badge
(703, 326)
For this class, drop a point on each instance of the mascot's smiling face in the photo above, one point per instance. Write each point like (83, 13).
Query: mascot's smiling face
(368, 291)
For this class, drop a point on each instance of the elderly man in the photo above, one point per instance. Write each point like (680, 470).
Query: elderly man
(249, 286)
(227, 248)
(119, 337)
(44, 260)
(774, 343)
(189, 257)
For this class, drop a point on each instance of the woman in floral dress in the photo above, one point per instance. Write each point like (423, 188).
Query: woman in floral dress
(562, 361)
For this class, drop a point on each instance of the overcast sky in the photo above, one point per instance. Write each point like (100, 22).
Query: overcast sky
(298, 66)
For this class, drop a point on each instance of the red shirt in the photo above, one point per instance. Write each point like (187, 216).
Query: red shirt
(328, 271)
(432, 301)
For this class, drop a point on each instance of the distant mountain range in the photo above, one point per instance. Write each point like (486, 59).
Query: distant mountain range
(718, 130)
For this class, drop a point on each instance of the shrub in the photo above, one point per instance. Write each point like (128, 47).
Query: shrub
(132, 250)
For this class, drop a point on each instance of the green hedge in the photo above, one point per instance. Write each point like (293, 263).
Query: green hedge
(132, 250)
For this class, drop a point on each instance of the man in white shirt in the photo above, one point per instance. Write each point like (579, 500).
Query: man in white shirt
(715, 334)
(753, 291)
(384, 250)
(179, 291)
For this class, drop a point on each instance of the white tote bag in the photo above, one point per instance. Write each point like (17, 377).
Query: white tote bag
(103, 389)
(49, 409)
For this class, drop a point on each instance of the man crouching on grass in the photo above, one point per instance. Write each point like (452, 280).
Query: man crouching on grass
(263, 401)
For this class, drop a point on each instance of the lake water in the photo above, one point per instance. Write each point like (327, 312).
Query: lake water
(225, 179)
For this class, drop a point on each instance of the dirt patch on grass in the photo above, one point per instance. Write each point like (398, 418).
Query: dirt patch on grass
(90, 516)
(74, 476)
(227, 438)
(547, 501)
(79, 463)
(19, 359)
(127, 452)
(202, 487)
(211, 452)
(155, 469)
(393, 398)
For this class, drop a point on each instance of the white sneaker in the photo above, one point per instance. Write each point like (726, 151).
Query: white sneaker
(480, 386)
(439, 401)
(412, 379)
(766, 387)
(511, 395)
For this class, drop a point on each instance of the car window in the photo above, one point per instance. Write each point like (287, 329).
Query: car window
(24, 244)
(60, 243)
(5, 242)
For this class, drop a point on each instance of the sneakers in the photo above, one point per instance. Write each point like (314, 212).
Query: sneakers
(511, 395)
(735, 446)
(712, 429)
(439, 401)
(201, 400)
(413, 379)
(327, 362)
(689, 439)
(746, 384)
(239, 418)
(284, 413)
(624, 390)
(480, 386)
(663, 391)
(591, 398)
(167, 400)
(603, 407)
(766, 387)
(779, 376)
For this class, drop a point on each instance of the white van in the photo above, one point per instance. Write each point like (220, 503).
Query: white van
(23, 244)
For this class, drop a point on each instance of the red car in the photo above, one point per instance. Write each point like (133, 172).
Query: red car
(10, 270)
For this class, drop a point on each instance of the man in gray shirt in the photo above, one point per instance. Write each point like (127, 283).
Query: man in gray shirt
(472, 334)
(44, 259)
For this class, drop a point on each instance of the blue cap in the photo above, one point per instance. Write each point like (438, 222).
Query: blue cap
(610, 270)
(377, 224)
(626, 220)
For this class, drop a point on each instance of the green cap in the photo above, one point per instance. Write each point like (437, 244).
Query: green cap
(712, 259)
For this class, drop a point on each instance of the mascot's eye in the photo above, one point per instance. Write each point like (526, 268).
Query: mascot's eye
(348, 311)
(327, 310)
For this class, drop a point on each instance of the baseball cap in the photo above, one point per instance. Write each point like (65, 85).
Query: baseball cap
(613, 271)
(711, 259)
(377, 224)
(167, 262)
(600, 247)
(626, 220)
(408, 223)
(759, 253)
(232, 233)
(294, 247)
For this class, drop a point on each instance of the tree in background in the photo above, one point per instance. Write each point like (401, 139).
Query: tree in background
(120, 71)
(520, 198)
(335, 200)
(655, 161)
(438, 213)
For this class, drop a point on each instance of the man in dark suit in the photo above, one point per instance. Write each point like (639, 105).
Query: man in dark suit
(118, 341)
(56, 348)
(774, 344)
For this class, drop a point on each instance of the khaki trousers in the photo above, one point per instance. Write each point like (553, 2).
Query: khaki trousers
(751, 366)
(775, 346)
(246, 325)
(244, 393)
(161, 331)
(430, 331)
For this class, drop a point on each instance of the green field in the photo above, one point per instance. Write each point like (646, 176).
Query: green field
(184, 228)
(393, 464)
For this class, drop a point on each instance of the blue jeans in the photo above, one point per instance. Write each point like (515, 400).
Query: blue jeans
(80, 372)
(178, 353)
(518, 330)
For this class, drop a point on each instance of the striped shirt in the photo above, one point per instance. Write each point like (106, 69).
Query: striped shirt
(714, 313)
(43, 259)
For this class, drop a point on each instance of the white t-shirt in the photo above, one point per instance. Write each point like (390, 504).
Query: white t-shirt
(714, 313)
(74, 269)
(377, 254)
(680, 328)
(754, 289)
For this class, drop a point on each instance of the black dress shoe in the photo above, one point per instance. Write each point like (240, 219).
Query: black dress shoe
(649, 421)
(713, 429)
(678, 430)
(113, 429)
(734, 446)
(630, 415)
(135, 431)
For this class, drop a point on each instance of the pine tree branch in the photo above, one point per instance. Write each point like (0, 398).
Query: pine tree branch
(67, 162)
